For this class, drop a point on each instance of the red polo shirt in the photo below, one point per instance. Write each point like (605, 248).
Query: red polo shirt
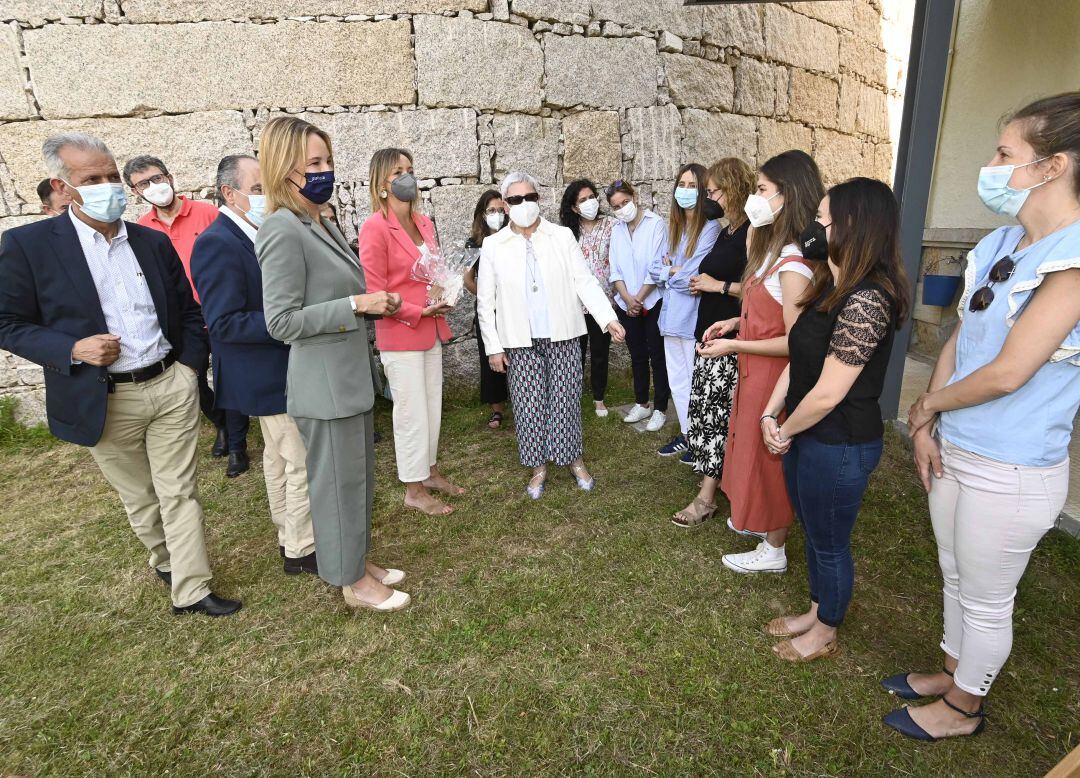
(194, 217)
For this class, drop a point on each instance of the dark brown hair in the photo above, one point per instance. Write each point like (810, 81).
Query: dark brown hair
(1052, 126)
(479, 229)
(864, 245)
(798, 179)
(678, 224)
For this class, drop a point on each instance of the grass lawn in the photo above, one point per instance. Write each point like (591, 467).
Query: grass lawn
(583, 634)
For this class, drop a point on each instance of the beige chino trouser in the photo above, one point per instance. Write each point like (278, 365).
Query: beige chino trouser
(285, 471)
(148, 452)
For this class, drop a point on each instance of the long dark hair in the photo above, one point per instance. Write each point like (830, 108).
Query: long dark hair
(798, 179)
(864, 244)
(479, 229)
(678, 224)
(568, 217)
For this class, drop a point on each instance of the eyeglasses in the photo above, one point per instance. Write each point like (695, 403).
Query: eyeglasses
(531, 197)
(1001, 271)
(493, 211)
(142, 186)
(711, 192)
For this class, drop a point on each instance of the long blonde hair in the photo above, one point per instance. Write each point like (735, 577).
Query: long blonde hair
(282, 151)
(382, 162)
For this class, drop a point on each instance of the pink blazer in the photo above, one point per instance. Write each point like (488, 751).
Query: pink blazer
(388, 254)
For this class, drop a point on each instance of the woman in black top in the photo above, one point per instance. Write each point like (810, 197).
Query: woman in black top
(489, 217)
(832, 436)
(729, 182)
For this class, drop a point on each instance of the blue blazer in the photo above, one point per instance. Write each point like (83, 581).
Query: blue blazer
(48, 302)
(249, 366)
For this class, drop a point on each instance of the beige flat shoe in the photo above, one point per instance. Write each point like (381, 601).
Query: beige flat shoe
(393, 576)
(395, 602)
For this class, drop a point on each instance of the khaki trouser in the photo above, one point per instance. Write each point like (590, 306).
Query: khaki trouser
(285, 471)
(416, 381)
(148, 452)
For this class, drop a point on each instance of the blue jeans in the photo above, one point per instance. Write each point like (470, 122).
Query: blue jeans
(826, 483)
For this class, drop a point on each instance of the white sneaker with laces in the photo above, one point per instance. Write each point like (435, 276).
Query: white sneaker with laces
(763, 559)
(656, 421)
(748, 533)
(636, 414)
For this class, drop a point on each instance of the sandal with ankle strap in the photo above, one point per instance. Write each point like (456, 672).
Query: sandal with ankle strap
(686, 519)
(901, 721)
(496, 420)
(898, 685)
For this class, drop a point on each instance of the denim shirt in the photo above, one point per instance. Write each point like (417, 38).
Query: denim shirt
(1031, 426)
(678, 317)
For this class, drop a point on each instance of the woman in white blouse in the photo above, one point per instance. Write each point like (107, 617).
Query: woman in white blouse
(532, 284)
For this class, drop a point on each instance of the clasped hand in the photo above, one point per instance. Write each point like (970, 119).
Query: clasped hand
(774, 441)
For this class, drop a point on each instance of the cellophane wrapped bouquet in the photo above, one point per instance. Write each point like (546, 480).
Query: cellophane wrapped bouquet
(442, 269)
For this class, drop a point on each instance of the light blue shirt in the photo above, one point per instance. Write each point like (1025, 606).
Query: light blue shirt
(678, 317)
(536, 295)
(1032, 425)
(630, 256)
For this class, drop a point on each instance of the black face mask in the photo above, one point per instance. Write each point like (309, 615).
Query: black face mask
(814, 244)
(712, 209)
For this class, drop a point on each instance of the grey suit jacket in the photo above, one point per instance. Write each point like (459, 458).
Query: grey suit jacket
(308, 276)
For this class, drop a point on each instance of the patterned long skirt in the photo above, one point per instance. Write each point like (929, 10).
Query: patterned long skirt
(710, 406)
(545, 388)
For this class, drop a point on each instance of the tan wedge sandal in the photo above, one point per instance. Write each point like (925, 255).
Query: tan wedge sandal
(687, 518)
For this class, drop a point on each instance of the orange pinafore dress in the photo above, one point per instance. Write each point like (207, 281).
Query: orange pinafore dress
(753, 478)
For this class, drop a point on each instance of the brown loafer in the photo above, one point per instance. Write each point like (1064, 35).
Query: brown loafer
(789, 653)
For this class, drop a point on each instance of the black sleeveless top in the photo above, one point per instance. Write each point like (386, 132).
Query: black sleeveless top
(858, 332)
(726, 261)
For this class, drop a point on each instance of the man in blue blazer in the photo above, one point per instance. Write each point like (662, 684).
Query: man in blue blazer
(103, 306)
(249, 365)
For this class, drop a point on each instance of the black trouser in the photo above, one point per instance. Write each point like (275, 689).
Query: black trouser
(236, 430)
(234, 423)
(646, 345)
(492, 385)
(598, 342)
(206, 400)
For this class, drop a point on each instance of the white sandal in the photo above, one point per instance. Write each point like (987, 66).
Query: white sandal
(395, 602)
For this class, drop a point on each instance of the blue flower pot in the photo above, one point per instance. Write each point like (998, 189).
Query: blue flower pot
(939, 290)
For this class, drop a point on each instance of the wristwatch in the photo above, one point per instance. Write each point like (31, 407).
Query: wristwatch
(352, 304)
(727, 286)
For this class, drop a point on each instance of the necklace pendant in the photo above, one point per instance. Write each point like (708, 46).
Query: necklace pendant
(536, 288)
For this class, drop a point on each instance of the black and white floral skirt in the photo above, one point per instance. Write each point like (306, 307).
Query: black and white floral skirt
(710, 407)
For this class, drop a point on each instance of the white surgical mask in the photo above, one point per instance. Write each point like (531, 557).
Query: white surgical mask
(997, 195)
(627, 213)
(758, 210)
(102, 202)
(495, 220)
(256, 211)
(524, 214)
(160, 195)
(589, 208)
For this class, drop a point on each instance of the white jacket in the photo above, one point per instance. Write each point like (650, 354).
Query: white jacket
(501, 304)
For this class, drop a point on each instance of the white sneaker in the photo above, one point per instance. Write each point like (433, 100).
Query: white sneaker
(763, 559)
(602, 412)
(636, 414)
(748, 533)
(656, 421)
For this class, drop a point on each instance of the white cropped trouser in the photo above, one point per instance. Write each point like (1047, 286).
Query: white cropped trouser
(416, 383)
(679, 354)
(988, 517)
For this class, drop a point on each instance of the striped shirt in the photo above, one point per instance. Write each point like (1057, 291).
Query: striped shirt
(124, 296)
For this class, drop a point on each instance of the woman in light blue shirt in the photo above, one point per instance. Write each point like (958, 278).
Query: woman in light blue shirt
(638, 238)
(1004, 394)
(691, 236)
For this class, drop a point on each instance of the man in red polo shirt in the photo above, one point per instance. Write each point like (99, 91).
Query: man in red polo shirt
(183, 220)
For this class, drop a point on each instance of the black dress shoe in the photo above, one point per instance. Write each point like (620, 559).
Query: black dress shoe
(238, 463)
(305, 564)
(164, 575)
(221, 444)
(281, 551)
(211, 605)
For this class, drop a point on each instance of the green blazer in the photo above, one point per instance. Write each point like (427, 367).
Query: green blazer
(308, 276)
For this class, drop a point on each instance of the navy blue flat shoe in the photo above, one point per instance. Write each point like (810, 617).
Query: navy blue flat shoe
(901, 721)
(898, 685)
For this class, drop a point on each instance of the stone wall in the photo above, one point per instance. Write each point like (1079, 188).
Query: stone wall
(564, 88)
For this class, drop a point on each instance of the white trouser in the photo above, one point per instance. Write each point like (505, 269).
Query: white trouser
(988, 517)
(416, 379)
(285, 471)
(679, 356)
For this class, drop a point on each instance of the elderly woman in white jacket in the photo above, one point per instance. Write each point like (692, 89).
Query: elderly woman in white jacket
(532, 283)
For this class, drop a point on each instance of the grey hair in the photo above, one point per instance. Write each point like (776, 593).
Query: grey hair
(228, 174)
(50, 150)
(518, 177)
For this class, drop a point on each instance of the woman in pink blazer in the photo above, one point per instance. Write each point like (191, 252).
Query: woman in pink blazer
(409, 341)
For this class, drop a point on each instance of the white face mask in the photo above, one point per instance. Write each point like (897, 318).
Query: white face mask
(495, 220)
(627, 213)
(160, 195)
(524, 214)
(758, 210)
(589, 208)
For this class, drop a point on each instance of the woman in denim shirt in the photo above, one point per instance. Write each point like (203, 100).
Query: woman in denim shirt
(1004, 395)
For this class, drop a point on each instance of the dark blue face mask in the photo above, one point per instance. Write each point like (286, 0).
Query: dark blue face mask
(318, 187)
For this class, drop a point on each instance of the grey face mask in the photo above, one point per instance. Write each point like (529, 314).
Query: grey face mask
(404, 187)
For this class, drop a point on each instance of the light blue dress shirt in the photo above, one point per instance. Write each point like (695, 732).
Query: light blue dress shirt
(678, 317)
(630, 256)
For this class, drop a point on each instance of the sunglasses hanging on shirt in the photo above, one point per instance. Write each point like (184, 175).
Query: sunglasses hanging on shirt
(984, 296)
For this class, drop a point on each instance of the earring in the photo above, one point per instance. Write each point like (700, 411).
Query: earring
(382, 194)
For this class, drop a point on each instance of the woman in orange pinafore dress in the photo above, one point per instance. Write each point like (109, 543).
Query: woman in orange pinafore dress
(788, 192)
